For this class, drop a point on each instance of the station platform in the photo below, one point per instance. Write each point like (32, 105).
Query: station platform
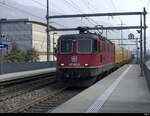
(25, 74)
(123, 91)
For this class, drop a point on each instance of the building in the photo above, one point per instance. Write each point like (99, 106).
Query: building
(28, 34)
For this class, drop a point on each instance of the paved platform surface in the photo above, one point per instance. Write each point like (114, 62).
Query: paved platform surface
(123, 91)
(25, 74)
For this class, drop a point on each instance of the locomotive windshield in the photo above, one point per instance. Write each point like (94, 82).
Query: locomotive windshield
(65, 46)
(84, 46)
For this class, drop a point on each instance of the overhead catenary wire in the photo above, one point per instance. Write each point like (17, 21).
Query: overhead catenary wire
(90, 20)
(148, 2)
(20, 10)
(4, 4)
(59, 24)
(44, 6)
(39, 3)
(87, 3)
(76, 7)
(93, 21)
(114, 6)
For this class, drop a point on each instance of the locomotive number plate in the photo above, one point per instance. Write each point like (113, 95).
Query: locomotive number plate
(74, 59)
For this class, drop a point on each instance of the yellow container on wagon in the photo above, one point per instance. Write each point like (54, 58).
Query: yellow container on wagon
(118, 54)
(122, 55)
(125, 55)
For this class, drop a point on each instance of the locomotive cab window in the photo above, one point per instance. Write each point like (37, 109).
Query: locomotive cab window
(96, 46)
(84, 46)
(65, 46)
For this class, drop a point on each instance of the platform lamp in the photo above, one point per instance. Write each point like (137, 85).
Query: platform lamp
(141, 50)
(137, 51)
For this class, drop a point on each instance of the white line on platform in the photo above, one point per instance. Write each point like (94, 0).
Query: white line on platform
(103, 98)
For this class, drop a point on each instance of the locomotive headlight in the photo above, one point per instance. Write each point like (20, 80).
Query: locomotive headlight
(62, 64)
(86, 65)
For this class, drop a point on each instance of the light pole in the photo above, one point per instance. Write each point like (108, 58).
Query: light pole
(137, 51)
(1, 52)
(121, 40)
(121, 33)
(141, 50)
(53, 44)
(47, 30)
(144, 18)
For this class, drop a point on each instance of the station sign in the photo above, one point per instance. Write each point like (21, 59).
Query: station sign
(3, 47)
(131, 36)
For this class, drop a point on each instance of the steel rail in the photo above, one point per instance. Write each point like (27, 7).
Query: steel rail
(36, 85)
(38, 101)
(30, 78)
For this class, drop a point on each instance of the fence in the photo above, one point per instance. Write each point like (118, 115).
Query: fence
(147, 73)
(19, 67)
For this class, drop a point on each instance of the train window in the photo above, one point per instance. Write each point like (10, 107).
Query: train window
(84, 46)
(66, 46)
(95, 46)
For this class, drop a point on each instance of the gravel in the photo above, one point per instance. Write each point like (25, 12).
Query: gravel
(10, 104)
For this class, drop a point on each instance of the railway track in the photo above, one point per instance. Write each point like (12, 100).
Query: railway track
(47, 103)
(39, 104)
(26, 86)
(11, 83)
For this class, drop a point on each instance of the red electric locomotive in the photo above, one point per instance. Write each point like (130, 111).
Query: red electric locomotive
(82, 57)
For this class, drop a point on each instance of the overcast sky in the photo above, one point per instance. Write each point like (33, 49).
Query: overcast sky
(97, 6)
